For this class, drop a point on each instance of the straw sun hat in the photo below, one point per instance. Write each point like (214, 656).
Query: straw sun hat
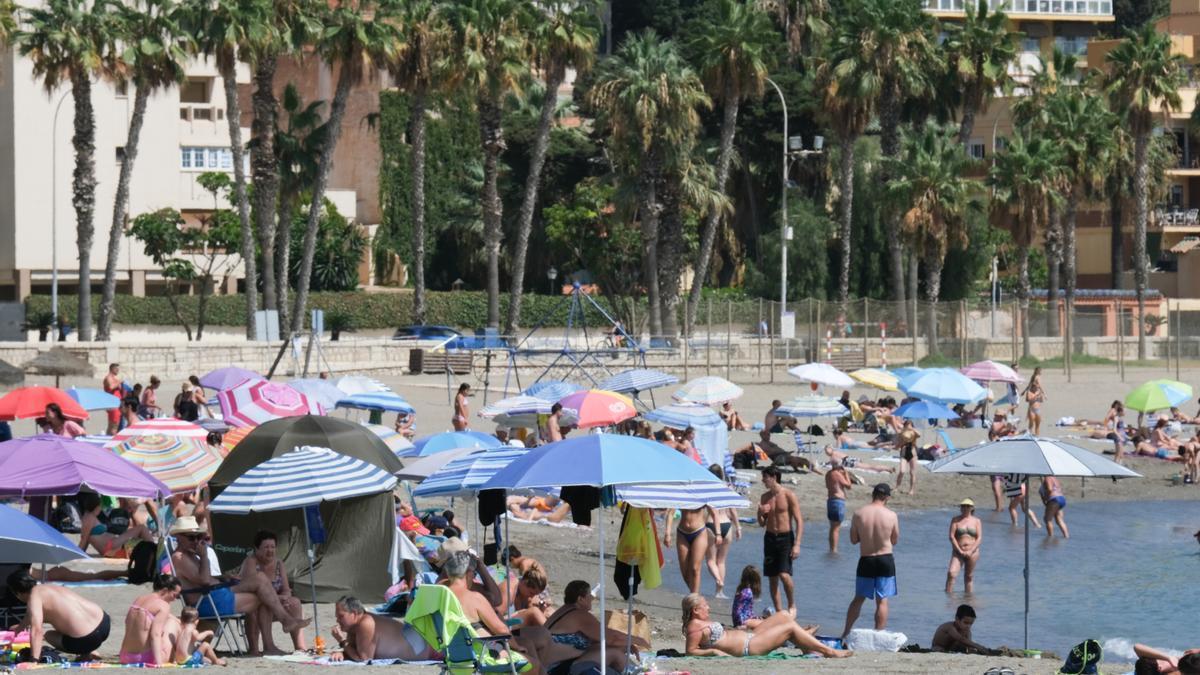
(187, 525)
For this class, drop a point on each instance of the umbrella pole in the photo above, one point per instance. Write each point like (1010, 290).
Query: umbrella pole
(629, 611)
(1026, 504)
(604, 624)
(312, 575)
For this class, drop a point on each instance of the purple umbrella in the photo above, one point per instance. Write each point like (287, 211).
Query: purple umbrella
(228, 378)
(47, 465)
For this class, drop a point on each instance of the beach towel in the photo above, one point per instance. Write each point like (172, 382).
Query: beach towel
(306, 659)
(71, 665)
(638, 544)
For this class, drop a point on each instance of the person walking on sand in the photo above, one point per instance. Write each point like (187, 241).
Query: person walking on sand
(779, 513)
(876, 529)
(906, 441)
(112, 385)
(462, 408)
(837, 481)
(1035, 396)
(1052, 496)
(966, 534)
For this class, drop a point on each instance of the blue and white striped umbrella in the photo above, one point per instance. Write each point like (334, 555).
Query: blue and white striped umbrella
(464, 476)
(517, 405)
(811, 406)
(382, 400)
(681, 496)
(552, 390)
(684, 415)
(638, 379)
(303, 477)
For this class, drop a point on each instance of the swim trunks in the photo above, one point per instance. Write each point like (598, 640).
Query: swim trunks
(82, 646)
(222, 598)
(835, 509)
(1060, 500)
(777, 553)
(777, 429)
(875, 577)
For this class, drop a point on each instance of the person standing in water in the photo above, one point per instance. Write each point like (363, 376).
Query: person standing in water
(876, 529)
(1052, 496)
(779, 513)
(837, 481)
(966, 534)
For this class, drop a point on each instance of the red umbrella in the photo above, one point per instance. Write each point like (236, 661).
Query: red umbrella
(27, 402)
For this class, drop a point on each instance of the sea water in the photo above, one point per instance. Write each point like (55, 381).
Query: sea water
(1130, 572)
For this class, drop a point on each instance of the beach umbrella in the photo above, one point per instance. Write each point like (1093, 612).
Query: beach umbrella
(709, 390)
(212, 424)
(10, 374)
(514, 406)
(1158, 395)
(162, 426)
(552, 390)
(878, 378)
(1030, 456)
(184, 464)
(637, 379)
(905, 371)
(925, 410)
(596, 408)
(821, 373)
(60, 363)
(94, 399)
(253, 402)
(25, 539)
(811, 406)
(321, 391)
(684, 415)
(450, 440)
(228, 377)
(394, 440)
(681, 496)
(27, 402)
(303, 477)
(46, 465)
(465, 475)
(421, 468)
(360, 384)
(380, 401)
(231, 438)
(944, 385)
(990, 371)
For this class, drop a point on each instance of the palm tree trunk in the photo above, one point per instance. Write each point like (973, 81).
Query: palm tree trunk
(889, 144)
(417, 138)
(333, 129)
(670, 257)
(83, 189)
(933, 288)
(266, 171)
(914, 272)
(709, 235)
(1117, 238)
(846, 184)
(1023, 297)
(1069, 252)
(283, 259)
(967, 126)
(233, 115)
(537, 159)
(1141, 178)
(1053, 261)
(491, 136)
(649, 212)
(141, 95)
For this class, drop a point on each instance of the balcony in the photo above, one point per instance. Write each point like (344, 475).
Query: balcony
(1061, 9)
(1173, 218)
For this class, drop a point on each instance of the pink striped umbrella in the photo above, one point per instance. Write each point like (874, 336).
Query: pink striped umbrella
(163, 426)
(253, 402)
(597, 408)
(990, 371)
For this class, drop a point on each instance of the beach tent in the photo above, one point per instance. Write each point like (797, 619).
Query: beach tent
(359, 532)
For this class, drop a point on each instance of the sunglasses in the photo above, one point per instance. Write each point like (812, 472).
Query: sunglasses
(192, 537)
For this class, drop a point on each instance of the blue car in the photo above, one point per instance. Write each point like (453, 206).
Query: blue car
(451, 338)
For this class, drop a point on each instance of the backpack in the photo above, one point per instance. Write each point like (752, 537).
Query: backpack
(1084, 659)
(142, 561)
(117, 520)
(66, 519)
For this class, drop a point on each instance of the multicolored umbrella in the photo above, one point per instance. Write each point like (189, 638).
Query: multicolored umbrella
(46, 464)
(384, 401)
(28, 402)
(450, 440)
(596, 408)
(709, 390)
(231, 438)
(395, 441)
(638, 379)
(360, 384)
(184, 464)
(162, 426)
(94, 399)
(1158, 395)
(821, 373)
(251, 403)
(811, 406)
(552, 390)
(228, 378)
(990, 371)
(878, 378)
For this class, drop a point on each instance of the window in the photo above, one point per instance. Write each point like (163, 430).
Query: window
(1001, 144)
(185, 158)
(977, 150)
(206, 158)
(194, 91)
(120, 154)
(1031, 44)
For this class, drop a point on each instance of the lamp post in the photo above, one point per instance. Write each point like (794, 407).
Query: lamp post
(551, 275)
(54, 212)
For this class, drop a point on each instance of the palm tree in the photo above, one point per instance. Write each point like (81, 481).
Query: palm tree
(647, 97)
(72, 41)
(494, 47)
(1144, 77)
(420, 70)
(734, 57)
(799, 18)
(230, 31)
(8, 21)
(1025, 178)
(297, 146)
(929, 184)
(155, 49)
(981, 48)
(359, 38)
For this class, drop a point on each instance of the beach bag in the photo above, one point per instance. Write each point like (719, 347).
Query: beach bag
(65, 518)
(866, 640)
(117, 521)
(1084, 659)
(618, 620)
(141, 562)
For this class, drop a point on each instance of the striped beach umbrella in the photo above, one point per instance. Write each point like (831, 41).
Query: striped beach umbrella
(552, 390)
(231, 438)
(463, 476)
(811, 406)
(251, 403)
(681, 496)
(684, 415)
(638, 379)
(517, 405)
(321, 391)
(302, 477)
(395, 441)
(821, 373)
(450, 440)
(596, 408)
(878, 378)
(382, 401)
(184, 464)
(228, 378)
(420, 468)
(708, 391)
(162, 426)
(360, 384)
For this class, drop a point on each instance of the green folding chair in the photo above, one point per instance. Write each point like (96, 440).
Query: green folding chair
(438, 617)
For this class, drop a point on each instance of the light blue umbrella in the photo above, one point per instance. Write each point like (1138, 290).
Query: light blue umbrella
(464, 475)
(638, 379)
(904, 372)
(25, 539)
(449, 440)
(552, 390)
(811, 406)
(94, 399)
(944, 385)
(384, 401)
(684, 415)
(321, 391)
(925, 410)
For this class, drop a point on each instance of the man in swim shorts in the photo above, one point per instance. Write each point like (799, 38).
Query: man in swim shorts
(364, 637)
(779, 513)
(837, 481)
(79, 626)
(774, 424)
(876, 529)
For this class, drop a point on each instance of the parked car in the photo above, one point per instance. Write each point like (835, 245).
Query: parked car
(431, 336)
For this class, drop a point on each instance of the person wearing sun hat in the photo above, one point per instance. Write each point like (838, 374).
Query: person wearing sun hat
(966, 535)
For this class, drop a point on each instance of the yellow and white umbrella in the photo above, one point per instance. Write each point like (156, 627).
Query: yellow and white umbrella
(878, 378)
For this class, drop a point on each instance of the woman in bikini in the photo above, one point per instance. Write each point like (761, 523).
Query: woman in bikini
(705, 637)
(724, 523)
(462, 408)
(574, 627)
(263, 560)
(1052, 496)
(966, 534)
(95, 533)
(150, 628)
(1160, 444)
(1035, 395)
(691, 547)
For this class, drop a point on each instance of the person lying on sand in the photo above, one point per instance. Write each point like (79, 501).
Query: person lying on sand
(539, 508)
(1154, 662)
(363, 637)
(704, 637)
(955, 636)
(836, 457)
(747, 455)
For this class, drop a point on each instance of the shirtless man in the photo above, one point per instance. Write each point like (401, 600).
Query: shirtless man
(876, 530)
(774, 424)
(955, 636)
(550, 430)
(148, 624)
(363, 637)
(79, 625)
(112, 385)
(779, 513)
(837, 481)
(244, 597)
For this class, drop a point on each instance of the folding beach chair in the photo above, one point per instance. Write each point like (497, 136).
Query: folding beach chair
(230, 629)
(438, 617)
(803, 446)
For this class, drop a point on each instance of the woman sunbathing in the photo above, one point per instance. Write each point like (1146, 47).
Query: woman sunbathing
(539, 508)
(705, 637)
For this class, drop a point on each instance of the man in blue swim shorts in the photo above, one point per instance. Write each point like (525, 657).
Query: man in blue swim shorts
(837, 481)
(876, 529)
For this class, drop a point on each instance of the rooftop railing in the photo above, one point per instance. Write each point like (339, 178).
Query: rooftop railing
(1096, 8)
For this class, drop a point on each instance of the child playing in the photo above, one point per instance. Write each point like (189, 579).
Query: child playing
(749, 588)
(192, 644)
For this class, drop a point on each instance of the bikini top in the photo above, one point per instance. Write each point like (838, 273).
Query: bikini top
(960, 531)
(716, 631)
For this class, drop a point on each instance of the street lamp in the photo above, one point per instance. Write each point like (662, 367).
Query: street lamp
(551, 275)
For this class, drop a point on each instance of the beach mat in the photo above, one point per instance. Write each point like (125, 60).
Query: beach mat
(308, 660)
(94, 583)
(89, 665)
